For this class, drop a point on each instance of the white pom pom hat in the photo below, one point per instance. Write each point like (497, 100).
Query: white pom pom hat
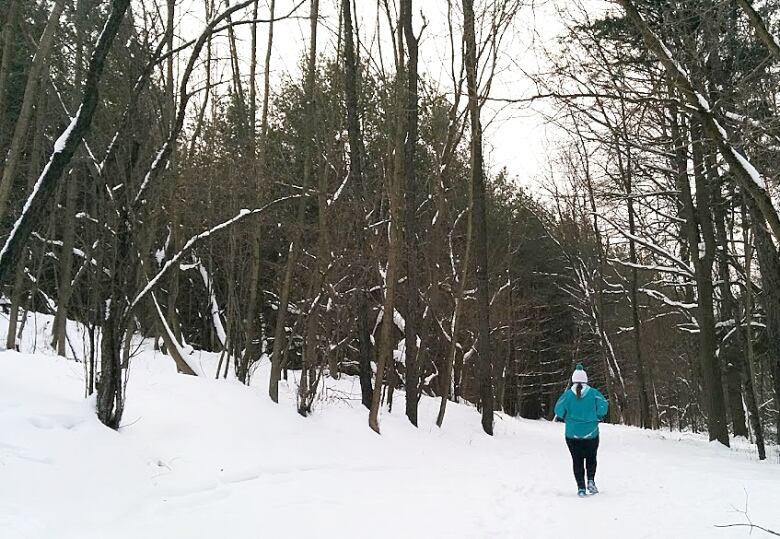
(579, 376)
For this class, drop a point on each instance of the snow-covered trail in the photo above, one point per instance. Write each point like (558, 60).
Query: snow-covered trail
(199, 458)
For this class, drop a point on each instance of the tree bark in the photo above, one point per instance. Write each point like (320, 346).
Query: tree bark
(447, 389)
(758, 24)
(644, 405)
(17, 293)
(356, 181)
(730, 352)
(65, 288)
(702, 257)
(25, 113)
(385, 359)
(769, 266)
(480, 221)
(703, 264)
(7, 38)
(307, 386)
(748, 372)
(258, 157)
(410, 218)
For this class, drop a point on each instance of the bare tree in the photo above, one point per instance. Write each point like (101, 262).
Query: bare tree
(480, 220)
(410, 218)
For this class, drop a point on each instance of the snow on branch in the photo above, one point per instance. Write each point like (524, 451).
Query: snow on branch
(748, 178)
(209, 284)
(652, 246)
(651, 267)
(173, 345)
(243, 214)
(655, 294)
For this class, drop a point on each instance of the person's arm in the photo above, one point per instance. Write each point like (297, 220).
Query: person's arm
(602, 405)
(560, 406)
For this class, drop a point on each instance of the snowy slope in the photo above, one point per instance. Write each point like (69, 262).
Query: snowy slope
(200, 458)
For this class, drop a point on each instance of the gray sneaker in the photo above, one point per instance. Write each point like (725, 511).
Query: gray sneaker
(592, 487)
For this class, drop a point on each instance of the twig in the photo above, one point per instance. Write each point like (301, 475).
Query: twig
(751, 526)
(749, 523)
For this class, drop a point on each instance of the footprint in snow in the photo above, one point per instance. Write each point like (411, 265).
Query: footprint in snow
(54, 421)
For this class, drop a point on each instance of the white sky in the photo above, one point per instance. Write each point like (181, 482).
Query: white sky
(516, 137)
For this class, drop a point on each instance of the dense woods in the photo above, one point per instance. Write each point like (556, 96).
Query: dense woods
(336, 215)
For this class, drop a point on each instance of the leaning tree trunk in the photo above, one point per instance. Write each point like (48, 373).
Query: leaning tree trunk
(480, 221)
(743, 173)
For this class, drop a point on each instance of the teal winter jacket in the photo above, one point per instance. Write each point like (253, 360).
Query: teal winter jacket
(582, 415)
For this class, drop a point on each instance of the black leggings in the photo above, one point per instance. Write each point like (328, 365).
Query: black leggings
(583, 451)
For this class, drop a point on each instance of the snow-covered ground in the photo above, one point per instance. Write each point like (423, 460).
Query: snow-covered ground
(201, 458)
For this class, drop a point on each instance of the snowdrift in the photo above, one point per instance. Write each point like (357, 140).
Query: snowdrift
(205, 458)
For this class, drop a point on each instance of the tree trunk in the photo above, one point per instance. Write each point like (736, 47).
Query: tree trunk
(644, 406)
(769, 266)
(65, 288)
(7, 38)
(17, 293)
(251, 323)
(173, 205)
(702, 257)
(447, 388)
(748, 376)
(16, 300)
(295, 246)
(39, 62)
(356, 181)
(703, 264)
(307, 386)
(110, 386)
(730, 352)
(385, 359)
(110, 390)
(480, 221)
(410, 219)
(619, 403)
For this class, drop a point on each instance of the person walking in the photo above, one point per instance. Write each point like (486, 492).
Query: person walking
(581, 407)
